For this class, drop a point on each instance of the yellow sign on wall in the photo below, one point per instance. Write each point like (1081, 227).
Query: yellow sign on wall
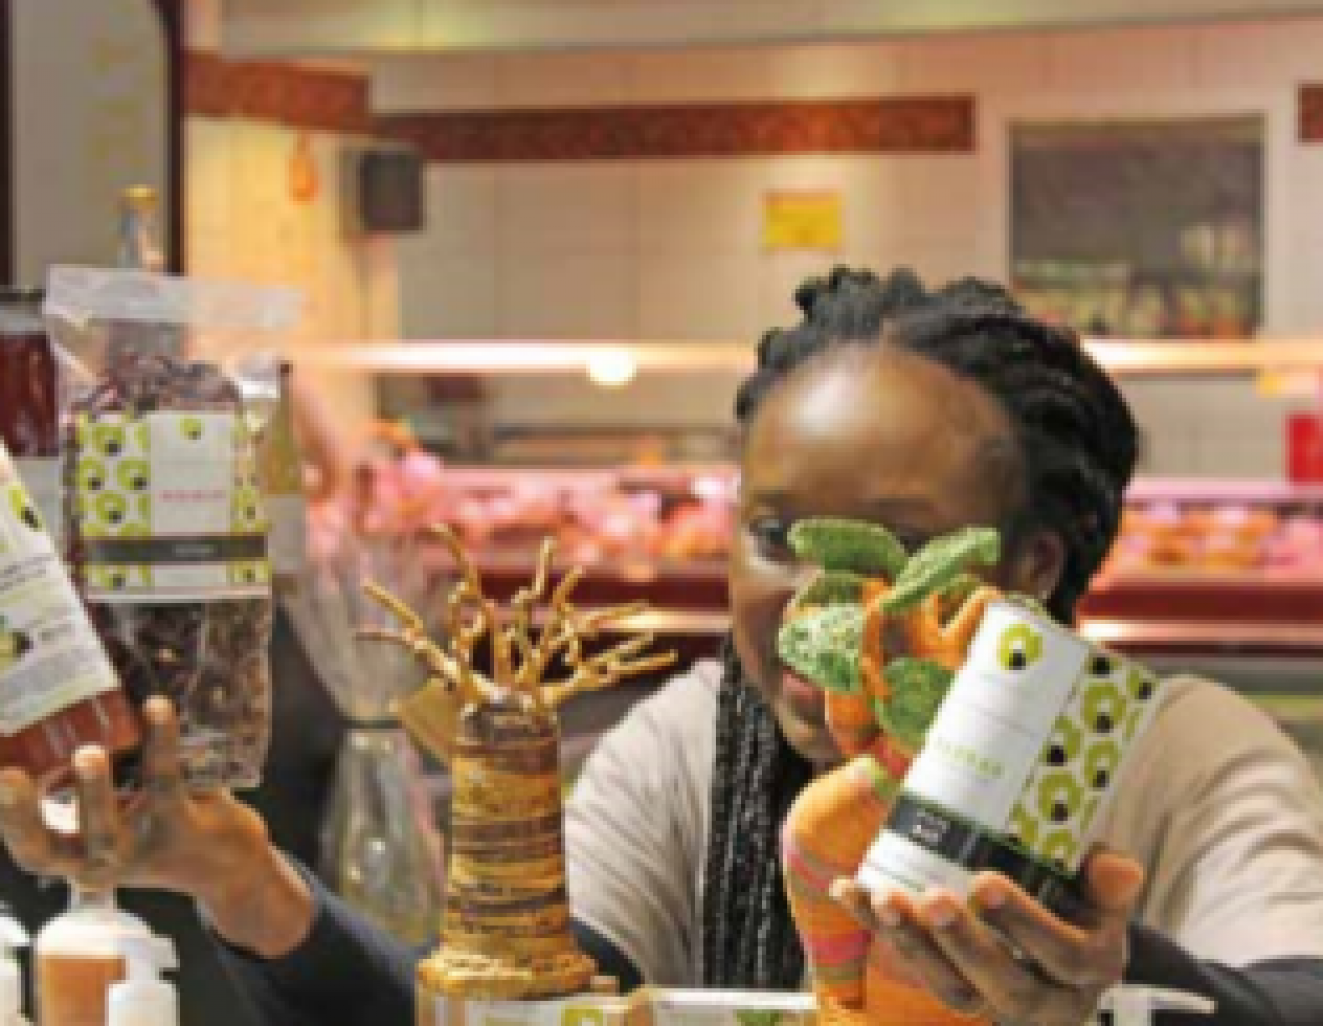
(802, 220)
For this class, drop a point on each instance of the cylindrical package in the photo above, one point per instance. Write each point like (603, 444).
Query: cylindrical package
(1018, 765)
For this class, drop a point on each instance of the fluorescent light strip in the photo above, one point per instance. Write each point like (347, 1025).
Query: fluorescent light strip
(523, 356)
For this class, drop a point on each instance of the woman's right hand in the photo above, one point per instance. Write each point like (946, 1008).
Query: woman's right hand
(207, 846)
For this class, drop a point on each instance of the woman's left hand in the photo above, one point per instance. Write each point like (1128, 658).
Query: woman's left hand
(1002, 955)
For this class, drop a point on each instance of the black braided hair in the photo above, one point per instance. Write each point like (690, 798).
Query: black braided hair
(748, 937)
(1078, 442)
(1078, 446)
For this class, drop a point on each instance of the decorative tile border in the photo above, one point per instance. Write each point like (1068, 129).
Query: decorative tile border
(269, 91)
(883, 125)
(336, 101)
(1311, 113)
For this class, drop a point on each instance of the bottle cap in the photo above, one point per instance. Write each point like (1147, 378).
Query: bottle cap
(144, 999)
(12, 938)
(1135, 1005)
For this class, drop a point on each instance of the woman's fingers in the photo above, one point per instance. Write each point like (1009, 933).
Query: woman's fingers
(162, 776)
(33, 845)
(99, 827)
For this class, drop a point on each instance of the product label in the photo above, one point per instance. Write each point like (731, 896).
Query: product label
(647, 1006)
(666, 1007)
(584, 1010)
(50, 657)
(170, 509)
(1020, 760)
(41, 478)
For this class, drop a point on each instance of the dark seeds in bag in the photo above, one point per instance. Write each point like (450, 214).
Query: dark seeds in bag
(167, 541)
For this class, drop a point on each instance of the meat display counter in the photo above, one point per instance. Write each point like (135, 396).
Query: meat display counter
(1201, 567)
(1222, 579)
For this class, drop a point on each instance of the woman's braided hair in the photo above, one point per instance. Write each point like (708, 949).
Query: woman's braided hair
(1078, 445)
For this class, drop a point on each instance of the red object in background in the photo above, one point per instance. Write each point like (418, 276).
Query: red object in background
(1304, 448)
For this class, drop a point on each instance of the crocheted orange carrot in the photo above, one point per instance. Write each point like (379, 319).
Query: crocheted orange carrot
(837, 634)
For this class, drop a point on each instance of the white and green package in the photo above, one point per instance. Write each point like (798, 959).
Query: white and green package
(1019, 764)
(50, 657)
(165, 521)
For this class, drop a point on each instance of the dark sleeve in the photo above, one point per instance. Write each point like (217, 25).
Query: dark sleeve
(350, 972)
(610, 960)
(347, 972)
(1282, 992)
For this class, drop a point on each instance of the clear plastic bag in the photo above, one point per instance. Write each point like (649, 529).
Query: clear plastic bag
(167, 381)
(380, 848)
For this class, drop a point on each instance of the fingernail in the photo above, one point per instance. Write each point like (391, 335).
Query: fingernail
(992, 898)
(889, 916)
(940, 916)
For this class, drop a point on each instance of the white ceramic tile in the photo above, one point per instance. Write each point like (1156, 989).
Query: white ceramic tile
(203, 22)
(874, 213)
(830, 70)
(575, 205)
(1168, 451)
(648, 400)
(978, 63)
(563, 80)
(550, 25)
(939, 196)
(1149, 398)
(432, 83)
(259, 27)
(681, 76)
(809, 171)
(780, 274)
(706, 296)
(709, 206)
(937, 262)
(207, 198)
(580, 294)
(1262, 456)
(1123, 60)
(448, 298)
(1302, 315)
(1269, 53)
(461, 212)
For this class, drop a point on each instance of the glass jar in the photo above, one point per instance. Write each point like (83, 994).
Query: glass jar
(29, 402)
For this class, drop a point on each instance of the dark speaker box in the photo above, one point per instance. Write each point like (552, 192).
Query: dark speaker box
(390, 191)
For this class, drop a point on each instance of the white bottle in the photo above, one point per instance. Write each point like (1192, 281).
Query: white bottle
(145, 999)
(1133, 1005)
(78, 956)
(12, 938)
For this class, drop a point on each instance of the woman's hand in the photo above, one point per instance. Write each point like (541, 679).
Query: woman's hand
(208, 846)
(1003, 956)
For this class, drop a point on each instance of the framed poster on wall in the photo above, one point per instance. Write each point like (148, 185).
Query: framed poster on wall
(1141, 229)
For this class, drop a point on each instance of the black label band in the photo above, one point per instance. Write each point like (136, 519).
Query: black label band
(175, 551)
(976, 850)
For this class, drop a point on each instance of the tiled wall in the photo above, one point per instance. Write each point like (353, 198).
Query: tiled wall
(243, 222)
(671, 249)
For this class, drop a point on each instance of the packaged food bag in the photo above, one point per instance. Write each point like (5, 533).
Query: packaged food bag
(168, 381)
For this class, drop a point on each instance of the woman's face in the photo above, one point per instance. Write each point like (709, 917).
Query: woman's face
(870, 433)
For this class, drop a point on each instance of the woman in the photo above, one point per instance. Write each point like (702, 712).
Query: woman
(924, 412)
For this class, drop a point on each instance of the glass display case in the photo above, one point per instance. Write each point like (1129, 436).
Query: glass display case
(1220, 577)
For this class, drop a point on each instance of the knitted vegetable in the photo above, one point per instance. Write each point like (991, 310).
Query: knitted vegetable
(883, 635)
